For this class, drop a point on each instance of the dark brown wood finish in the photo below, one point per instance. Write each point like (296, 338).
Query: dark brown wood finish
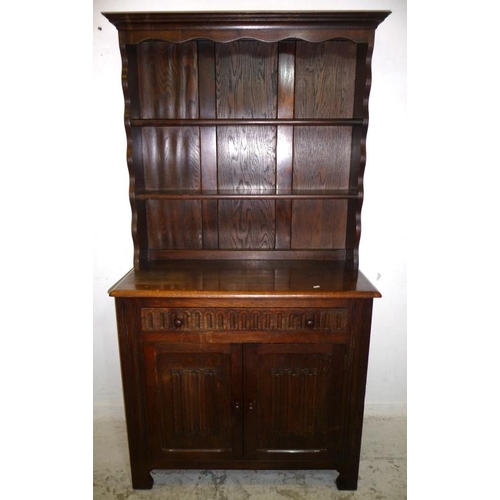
(133, 392)
(208, 141)
(168, 80)
(305, 279)
(293, 401)
(266, 116)
(244, 326)
(194, 395)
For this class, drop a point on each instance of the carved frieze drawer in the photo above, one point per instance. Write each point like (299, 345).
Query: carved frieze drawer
(226, 319)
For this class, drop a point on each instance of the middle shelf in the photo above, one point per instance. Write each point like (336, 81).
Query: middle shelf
(247, 195)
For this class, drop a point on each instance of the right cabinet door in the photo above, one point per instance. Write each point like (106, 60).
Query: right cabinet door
(294, 397)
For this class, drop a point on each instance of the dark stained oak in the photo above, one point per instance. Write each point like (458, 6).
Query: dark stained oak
(246, 79)
(324, 79)
(284, 142)
(191, 405)
(321, 158)
(293, 396)
(246, 158)
(246, 224)
(318, 224)
(171, 158)
(313, 26)
(208, 142)
(251, 115)
(244, 325)
(168, 80)
(174, 224)
(255, 122)
(222, 278)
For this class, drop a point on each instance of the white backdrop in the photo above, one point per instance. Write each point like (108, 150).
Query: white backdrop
(383, 238)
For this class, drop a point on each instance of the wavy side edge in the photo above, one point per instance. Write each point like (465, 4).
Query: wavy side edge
(130, 162)
(362, 161)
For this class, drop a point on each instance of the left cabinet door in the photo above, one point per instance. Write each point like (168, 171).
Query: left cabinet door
(194, 395)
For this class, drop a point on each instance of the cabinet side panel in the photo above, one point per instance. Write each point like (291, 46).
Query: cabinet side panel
(168, 80)
(132, 371)
(357, 365)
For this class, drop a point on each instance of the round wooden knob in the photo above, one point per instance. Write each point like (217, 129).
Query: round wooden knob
(310, 323)
(178, 322)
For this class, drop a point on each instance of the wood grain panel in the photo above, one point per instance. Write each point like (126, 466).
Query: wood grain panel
(324, 79)
(171, 157)
(319, 224)
(206, 67)
(245, 224)
(322, 157)
(284, 141)
(246, 158)
(168, 80)
(283, 224)
(174, 224)
(208, 140)
(246, 79)
(286, 79)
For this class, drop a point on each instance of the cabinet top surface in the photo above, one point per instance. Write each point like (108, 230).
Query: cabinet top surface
(212, 279)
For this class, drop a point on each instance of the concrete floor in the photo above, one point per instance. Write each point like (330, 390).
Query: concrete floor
(382, 473)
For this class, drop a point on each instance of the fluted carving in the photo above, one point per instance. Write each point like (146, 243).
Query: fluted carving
(325, 320)
(293, 400)
(194, 391)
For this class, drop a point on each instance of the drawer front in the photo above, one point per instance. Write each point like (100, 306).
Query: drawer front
(227, 319)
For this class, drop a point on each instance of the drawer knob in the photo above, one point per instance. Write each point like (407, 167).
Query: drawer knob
(310, 323)
(178, 322)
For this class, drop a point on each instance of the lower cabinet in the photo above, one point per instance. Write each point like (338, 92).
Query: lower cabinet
(254, 387)
(236, 401)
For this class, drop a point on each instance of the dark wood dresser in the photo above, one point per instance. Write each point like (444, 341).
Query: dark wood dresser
(244, 326)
